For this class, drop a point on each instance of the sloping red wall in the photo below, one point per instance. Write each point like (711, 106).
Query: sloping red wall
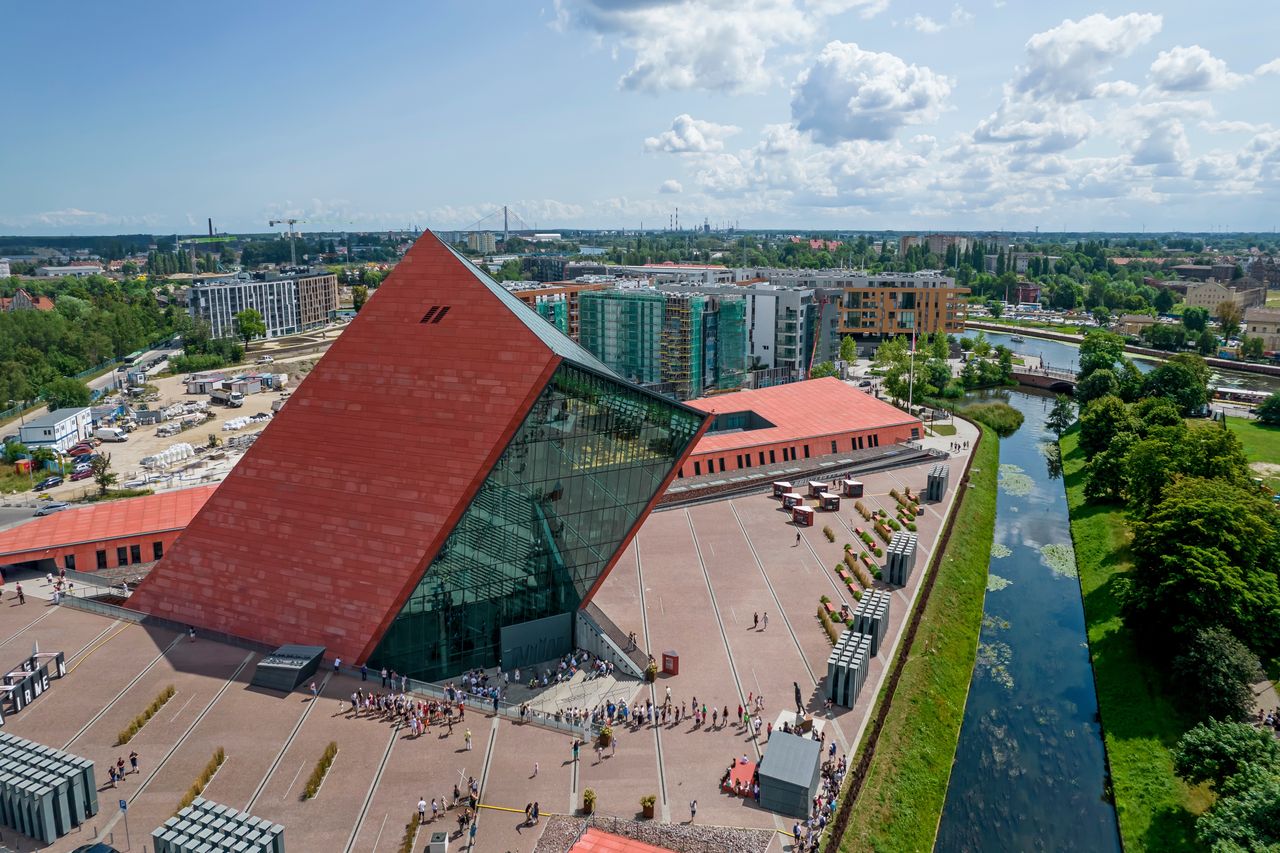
(320, 532)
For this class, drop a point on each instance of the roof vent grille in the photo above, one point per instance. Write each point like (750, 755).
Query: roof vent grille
(435, 314)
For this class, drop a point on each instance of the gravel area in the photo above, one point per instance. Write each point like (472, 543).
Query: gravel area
(562, 832)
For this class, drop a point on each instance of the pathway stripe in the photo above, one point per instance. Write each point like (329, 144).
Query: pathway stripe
(724, 635)
(33, 622)
(653, 695)
(72, 661)
(373, 786)
(107, 707)
(302, 718)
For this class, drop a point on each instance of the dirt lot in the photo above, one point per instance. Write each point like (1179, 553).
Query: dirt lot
(126, 457)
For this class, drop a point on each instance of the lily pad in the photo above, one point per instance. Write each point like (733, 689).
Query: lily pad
(1061, 559)
(998, 550)
(995, 583)
(1015, 482)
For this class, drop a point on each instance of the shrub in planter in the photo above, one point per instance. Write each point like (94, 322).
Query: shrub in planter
(857, 595)
(588, 801)
(647, 803)
(829, 533)
(825, 599)
(651, 672)
(893, 523)
(911, 525)
(847, 547)
(878, 551)
(879, 574)
(606, 736)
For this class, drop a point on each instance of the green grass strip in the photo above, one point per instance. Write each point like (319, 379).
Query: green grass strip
(901, 800)
(206, 775)
(127, 733)
(1140, 722)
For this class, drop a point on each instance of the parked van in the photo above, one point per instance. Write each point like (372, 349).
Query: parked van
(110, 434)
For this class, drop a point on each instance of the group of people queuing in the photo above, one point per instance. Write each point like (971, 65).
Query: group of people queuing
(809, 831)
(1270, 719)
(413, 712)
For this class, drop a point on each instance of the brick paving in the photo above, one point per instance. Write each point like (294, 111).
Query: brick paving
(690, 582)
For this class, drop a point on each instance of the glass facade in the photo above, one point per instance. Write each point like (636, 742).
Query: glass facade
(589, 456)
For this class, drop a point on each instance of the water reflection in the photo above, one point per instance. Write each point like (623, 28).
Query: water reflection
(1030, 768)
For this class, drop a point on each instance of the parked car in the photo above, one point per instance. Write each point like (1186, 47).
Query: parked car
(79, 450)
(48, 483)
(81, 474)
(266, 359)
(51, 508)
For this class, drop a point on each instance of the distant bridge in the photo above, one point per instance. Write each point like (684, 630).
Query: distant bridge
(1048, 378)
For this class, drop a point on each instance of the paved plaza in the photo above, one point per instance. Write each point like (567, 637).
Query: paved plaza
(691, 583)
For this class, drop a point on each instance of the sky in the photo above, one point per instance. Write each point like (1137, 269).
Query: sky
(807, 114)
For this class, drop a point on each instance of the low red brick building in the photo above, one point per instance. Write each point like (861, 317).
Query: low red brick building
(103, 536)
(791, 423)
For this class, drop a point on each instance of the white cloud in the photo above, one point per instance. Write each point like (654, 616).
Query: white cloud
(1233, 127)
(851, 93)
(689, 135)
(929, 26)
(74, 217)
(1115, 89)
(865, 8)
(1192, 69)
(1164, 145)
(1035, 129)
(1272, 67)
(671, 185)
(718, 45)
(1064, 63)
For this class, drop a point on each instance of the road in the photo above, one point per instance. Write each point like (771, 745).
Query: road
(112, 378)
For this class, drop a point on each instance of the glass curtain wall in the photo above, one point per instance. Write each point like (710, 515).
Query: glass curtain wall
(580, 470)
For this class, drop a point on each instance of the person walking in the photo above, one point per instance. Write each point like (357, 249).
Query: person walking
(337, 666)
(314, 692)
(422, 810)
(435, 809)
(535, 770)
(613, 746)
(755, 620)
(472, 841)
(133, 762)
(764, 623)
(537, 812)
(191, 633)
(693, 810)
(22, 596)
(467, 738)
(528, 814)
(364, 672)
(576, 745)
(797, 545)
(384, 676)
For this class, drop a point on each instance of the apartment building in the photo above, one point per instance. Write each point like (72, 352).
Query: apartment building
(1264, 323)
(681, 344)
(892, 304)
(1211, 294)
(557, 302)
(288, 304)
(482, 241)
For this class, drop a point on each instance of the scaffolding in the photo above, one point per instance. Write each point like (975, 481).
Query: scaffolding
(731, 343)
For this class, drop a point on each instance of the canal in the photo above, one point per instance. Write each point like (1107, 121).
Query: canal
(1030, 767)
(1067, 357)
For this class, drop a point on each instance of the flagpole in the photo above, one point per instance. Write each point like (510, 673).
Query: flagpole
(911, 379)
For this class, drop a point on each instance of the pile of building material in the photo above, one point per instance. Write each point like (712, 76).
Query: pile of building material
(45, 793)
(206, 825)
(235, 424)
(936, 486)
(901, 556)
(847, 668)
(171, 455)
(871, 616)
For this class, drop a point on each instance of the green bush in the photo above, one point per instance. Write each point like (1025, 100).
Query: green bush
(219, 756)
(827, 532)
(833, 633)
(139, 721)
(893, 523)
(1001, 417)
(322, 767)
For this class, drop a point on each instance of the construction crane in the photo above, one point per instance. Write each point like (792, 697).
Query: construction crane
(817, 333)
(293, 251)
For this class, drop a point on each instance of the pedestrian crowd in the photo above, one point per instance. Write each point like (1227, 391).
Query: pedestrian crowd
(466, 804)
(809, 831)
(1270, 719)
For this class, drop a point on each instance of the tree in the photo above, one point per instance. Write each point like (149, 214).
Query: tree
(1163, 302)
(1252, 348)
(1208, 555)
(894, 362)
(1062, 416)
(1216, 674)
(996, 308)
(65, 392)
(1101, 421)
(848, 348)
(1195, 319)
(1269, 410)
(249, 325)
(1180, 383)
(1248, 819)
(1230, 315)
(1215, 751)
(981, 346)
(359, 295)
(102, 475)
(1101, 315)
(1100, 351)
(1100, 383)
(826, 368)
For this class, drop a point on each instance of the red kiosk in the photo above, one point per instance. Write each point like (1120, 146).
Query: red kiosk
(802, 515)
(780, 488)
(830, 502)
(791, 500)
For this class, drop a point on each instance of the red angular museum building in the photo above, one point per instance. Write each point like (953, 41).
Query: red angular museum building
(453, 468)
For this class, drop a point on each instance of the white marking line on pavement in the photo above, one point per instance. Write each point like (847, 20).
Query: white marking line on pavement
(32, 624)
(653, 696)
(293, 781)
(381, 827)
(302, 718)
(107, 707)
(373, 787)
(178, 712)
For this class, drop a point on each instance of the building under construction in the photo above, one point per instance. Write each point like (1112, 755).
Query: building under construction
(683, 345)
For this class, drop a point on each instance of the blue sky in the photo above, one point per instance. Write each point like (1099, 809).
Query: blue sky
(832, 114)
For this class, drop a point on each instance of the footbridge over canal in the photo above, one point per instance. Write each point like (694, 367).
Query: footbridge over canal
(1047, 378)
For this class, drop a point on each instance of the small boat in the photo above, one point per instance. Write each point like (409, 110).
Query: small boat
(1018, 339)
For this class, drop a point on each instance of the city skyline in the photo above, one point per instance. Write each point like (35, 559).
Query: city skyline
(819, 114)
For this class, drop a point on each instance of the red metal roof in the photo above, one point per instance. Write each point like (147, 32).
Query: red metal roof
(595, 841)
(816, 407)
(320, 533)
(111, 520)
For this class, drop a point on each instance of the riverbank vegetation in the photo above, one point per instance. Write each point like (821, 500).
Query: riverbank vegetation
(901, 800)
(927, 375)
(1001, 417)
(1179, 558)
